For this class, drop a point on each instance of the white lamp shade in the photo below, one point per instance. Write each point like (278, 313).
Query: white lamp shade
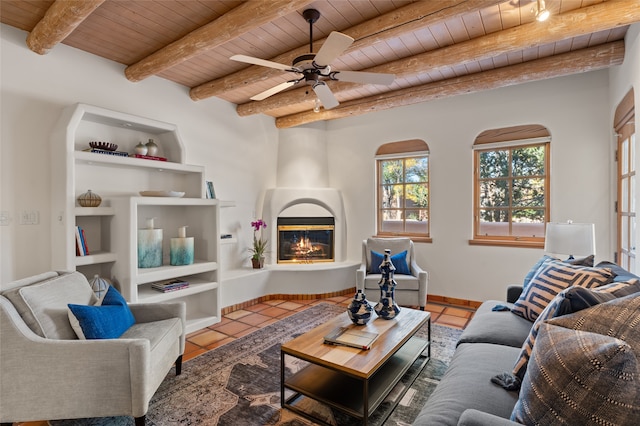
(572, 239)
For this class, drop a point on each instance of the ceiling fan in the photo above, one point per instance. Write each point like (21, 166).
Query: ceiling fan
(314, 68)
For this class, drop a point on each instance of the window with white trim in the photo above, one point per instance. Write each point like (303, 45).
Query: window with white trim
(511, 186)
(403, 189)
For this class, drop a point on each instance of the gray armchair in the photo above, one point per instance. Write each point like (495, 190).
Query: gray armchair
(48, 374)
(411, 289)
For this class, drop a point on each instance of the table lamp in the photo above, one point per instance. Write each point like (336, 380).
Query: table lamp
(572, 239)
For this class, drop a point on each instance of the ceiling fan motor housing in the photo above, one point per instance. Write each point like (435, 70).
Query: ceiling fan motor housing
(304, 62)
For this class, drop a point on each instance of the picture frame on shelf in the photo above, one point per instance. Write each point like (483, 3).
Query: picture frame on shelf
(211, 192)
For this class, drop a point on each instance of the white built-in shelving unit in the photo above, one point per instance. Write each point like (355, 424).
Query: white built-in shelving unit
(111, 228)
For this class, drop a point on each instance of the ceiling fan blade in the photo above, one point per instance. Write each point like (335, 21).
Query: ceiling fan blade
(333, 47)
(364, 77)
(269, 92)
(325, 95)
(262, 62)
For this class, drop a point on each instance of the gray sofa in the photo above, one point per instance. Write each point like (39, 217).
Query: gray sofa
(489, 347)
(47, 373)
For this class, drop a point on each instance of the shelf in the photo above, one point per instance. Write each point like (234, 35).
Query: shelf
(165, 272)
(92, 158)
(174, 201)
(93, 259)
(94, 211)
(113, 227)
(148, 295)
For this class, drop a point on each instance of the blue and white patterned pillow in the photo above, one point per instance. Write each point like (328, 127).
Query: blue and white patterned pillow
(550, 279)
(568, 301)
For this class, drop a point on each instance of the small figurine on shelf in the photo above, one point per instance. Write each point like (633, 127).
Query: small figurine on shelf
(141, 149)
(152, 148)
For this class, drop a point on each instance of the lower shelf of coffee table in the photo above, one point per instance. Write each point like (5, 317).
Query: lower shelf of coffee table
(346, 392)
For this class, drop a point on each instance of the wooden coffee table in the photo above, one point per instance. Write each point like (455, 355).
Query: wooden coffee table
(352, 380)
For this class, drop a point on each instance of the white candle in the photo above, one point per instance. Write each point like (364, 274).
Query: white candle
(182, 231)
(150, 223)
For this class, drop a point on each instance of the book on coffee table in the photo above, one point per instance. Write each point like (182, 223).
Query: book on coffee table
(350, 336)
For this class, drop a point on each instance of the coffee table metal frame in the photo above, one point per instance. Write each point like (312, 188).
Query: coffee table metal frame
(343, 377)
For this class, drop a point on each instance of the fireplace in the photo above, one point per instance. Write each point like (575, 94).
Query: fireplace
(305, 239)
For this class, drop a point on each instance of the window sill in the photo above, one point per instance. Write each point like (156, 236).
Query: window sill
(415, 239)
(507, 243)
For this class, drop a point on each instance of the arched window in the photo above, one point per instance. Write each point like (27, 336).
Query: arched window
(403, 189)
(511, 186)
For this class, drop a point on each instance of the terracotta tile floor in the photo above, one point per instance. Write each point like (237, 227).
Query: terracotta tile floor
(243, 321)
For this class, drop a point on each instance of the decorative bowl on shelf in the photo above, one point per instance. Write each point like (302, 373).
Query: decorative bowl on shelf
(107, 146)
(89, 199)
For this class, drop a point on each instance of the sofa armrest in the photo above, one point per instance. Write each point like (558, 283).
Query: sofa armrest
(513, 293)
(471, 417)
(149, 312)
(423, 281)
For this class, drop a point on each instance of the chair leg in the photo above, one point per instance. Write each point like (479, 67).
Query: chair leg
(140, 421)
(179, 365)
(422, 308)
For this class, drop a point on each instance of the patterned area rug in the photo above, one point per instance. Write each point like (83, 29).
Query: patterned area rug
(238, 384)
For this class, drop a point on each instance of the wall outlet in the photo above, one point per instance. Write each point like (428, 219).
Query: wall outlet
(5, 218)
(29, 217)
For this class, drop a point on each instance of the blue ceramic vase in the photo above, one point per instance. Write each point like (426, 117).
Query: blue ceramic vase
(387, 307)
(359, 310)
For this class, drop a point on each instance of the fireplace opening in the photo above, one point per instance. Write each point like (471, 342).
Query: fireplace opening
(305, 239)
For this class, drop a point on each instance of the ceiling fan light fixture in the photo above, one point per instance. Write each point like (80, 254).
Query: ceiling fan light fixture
(542, 13)
(316, 105)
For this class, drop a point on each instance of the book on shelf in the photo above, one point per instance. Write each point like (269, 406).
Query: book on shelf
(351, 336)
(166, 286)
(211, 193)
(107, 152)
(84, 242)
(81, 242)
(149, 157)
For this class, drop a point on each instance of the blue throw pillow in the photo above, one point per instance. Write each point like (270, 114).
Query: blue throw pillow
(107, 321)
(399, 261)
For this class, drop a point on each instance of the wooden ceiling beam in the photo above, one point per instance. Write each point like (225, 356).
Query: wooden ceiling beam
(233, 24)
(588, 59)
(400, 21)
(600, 17)
(60, 20)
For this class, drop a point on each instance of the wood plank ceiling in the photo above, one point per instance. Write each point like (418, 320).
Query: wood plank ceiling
(435, 48)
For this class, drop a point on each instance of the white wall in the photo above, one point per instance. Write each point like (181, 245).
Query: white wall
(238, 153)
(576, 111)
